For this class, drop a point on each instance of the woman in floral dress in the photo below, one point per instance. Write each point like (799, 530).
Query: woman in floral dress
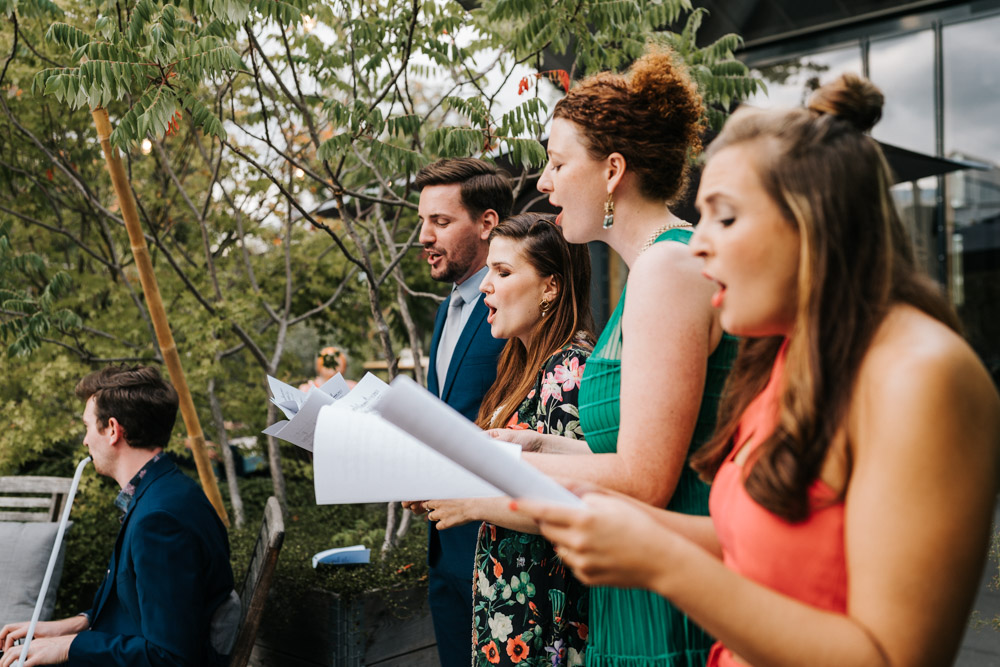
(528, 608)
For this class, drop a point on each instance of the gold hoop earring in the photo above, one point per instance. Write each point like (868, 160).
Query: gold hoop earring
(609, 212)
(544, 306)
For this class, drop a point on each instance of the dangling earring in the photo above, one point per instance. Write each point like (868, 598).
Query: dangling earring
(609, 212)
(544, 306)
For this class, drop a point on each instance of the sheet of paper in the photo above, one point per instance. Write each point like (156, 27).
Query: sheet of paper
(302, 408)
(302, 428)
(289, 408)
(284, 394)
(365, 393)
(361, 458)
(275, 428)
(335, 386)
(433, 422)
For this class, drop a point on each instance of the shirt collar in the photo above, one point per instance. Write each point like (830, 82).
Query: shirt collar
(470, 288)
(127, 494)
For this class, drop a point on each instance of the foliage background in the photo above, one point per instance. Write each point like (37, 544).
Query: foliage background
(241, 123)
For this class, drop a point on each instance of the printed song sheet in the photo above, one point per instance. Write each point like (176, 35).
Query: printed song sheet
(302, 409)
(436, 424)
(360, 458)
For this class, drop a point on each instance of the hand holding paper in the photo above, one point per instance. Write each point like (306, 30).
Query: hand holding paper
(434, 423)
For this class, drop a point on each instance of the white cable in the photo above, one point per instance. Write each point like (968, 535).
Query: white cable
(52, 560)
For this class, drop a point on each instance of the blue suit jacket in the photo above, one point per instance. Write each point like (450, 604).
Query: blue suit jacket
(169, 572)
(471, 372)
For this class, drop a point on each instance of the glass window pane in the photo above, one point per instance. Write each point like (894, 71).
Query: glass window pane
(903, 67)
(971, 109)
(790, 83)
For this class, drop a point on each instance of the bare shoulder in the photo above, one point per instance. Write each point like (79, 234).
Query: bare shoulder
(668, 259)
(668, 270)
(912, 349)
(920, 376)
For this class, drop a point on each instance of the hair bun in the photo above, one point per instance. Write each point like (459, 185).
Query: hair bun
(852, 98)
(659, 82)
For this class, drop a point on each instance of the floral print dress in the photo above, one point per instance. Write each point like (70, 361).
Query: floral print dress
(528, 608)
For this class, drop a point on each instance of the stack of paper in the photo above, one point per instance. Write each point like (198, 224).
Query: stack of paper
(302, 409)
(381, 444)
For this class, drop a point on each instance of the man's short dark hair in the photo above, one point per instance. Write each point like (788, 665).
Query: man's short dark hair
(484, 186)
(138, 397)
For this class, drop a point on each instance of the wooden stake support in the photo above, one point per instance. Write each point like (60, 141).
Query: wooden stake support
(157, 312)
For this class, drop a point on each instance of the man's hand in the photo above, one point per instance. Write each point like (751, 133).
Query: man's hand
(11, 632)
(415, 506)
(43, 651)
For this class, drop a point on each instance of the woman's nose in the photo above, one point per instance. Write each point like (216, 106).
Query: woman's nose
(545, 180)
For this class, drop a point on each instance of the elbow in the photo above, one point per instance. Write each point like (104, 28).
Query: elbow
(653, 493)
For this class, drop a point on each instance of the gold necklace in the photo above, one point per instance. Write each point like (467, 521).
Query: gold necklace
(659, 230)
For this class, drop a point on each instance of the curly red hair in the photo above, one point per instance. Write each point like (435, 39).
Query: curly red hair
(653, 115)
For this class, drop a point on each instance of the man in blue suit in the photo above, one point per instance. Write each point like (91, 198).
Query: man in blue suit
(461, 200)
(169, 573)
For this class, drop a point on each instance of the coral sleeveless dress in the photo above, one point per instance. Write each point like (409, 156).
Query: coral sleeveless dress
(804, 560)
(634, 628)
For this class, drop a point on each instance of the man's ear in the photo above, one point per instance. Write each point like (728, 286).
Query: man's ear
(614, 171)
(488, 220)
(114, 431)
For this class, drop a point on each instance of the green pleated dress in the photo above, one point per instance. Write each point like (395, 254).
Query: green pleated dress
(635, 628)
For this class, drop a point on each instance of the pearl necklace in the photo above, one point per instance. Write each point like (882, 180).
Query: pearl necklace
(659, 230)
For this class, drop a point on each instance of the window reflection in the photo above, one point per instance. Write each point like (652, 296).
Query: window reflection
(903, 67)
(790, 83)
(971, 107)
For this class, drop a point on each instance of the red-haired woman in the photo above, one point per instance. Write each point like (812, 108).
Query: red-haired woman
(619, 153)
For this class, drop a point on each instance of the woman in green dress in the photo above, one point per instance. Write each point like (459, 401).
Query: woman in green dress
(528, 609)
(619, 152)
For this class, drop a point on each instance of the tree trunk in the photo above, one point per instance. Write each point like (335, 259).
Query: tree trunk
(157, 312)
(222, 439)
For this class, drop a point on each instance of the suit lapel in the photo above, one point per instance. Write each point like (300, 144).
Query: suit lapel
(476, 320)
(155, 471)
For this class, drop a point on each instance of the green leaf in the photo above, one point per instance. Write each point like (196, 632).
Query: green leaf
(203, 116)
(67, 36)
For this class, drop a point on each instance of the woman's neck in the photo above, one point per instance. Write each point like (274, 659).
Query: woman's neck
(636, 221)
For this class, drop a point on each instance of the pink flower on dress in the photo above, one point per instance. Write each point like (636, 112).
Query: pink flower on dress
(551, 388)
(570, 374)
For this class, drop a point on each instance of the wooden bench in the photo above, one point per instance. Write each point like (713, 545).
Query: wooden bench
(257, 582)
(36, 499)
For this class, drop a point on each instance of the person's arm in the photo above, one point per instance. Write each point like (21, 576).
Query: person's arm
(557, 408)
(918, 510)
(12, 632)
(669, 330)
(169, 588)
(496, 510)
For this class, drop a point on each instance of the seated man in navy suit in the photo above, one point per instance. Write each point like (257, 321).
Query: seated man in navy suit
(461, 200)
(169, 572)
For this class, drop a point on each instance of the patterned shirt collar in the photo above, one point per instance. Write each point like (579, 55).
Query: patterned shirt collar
(125, 496)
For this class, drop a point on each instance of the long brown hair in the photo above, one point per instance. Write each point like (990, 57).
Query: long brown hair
(569, 317)
(855, 262)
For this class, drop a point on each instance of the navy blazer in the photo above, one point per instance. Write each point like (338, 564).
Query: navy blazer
(168, 574)
(471, 372)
